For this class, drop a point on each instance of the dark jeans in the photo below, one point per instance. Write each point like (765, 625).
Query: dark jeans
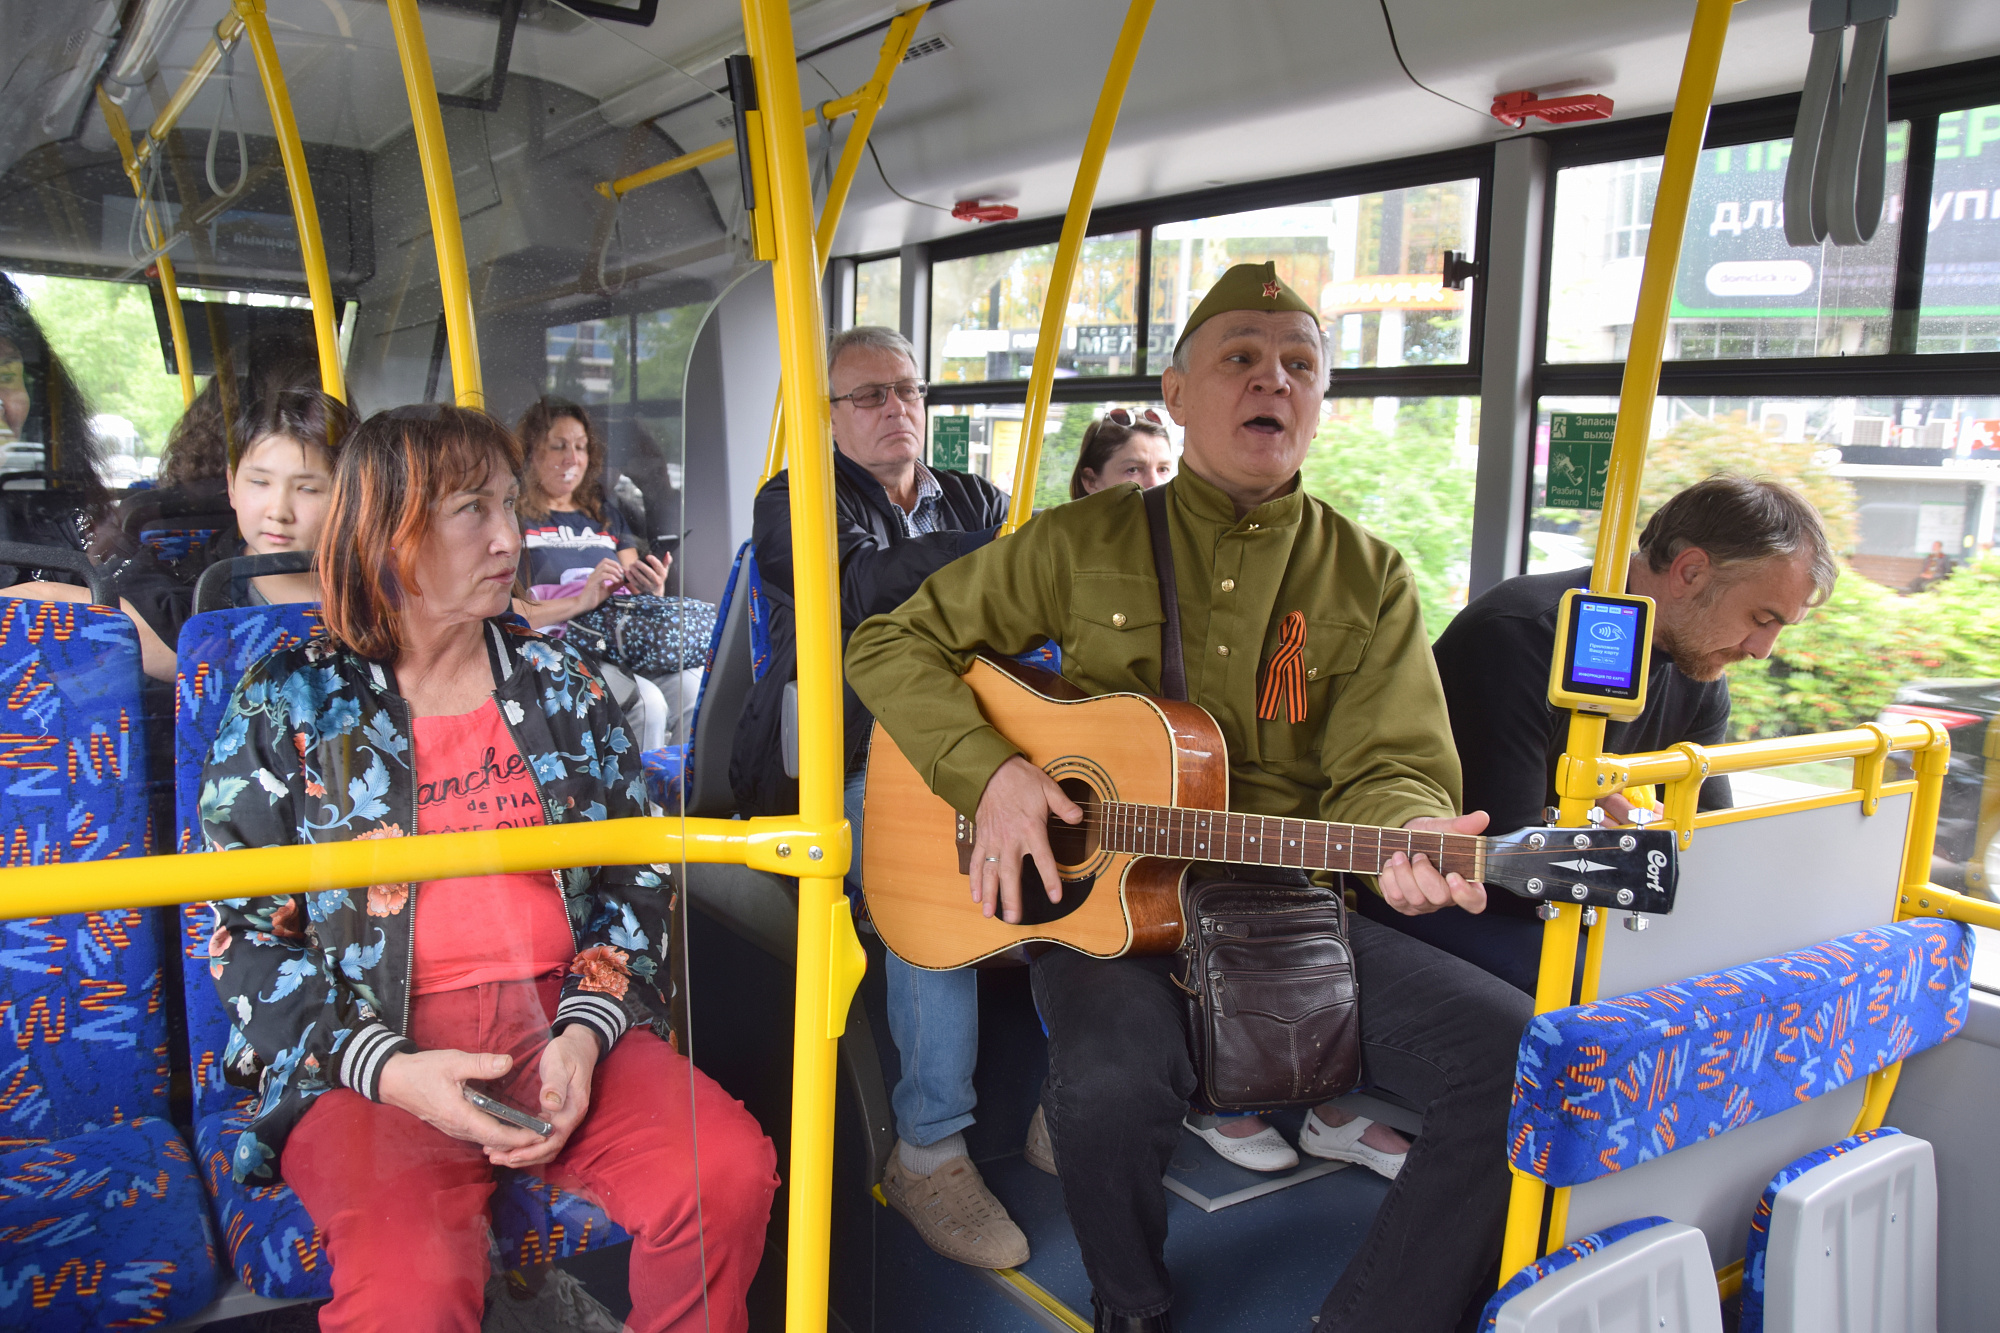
(1434, 1029)
(1510, 947)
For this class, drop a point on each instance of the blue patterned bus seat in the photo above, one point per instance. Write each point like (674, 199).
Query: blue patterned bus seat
(1602, 1087)
(97, 1223)
(104, 1230)
(270, 1239)
(1550, 1264)
(1751, 1318)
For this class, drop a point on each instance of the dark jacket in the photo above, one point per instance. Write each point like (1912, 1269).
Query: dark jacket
(316, 747)
(880, 568)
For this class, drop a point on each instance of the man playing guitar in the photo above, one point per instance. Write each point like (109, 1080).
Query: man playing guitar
(1301, 636)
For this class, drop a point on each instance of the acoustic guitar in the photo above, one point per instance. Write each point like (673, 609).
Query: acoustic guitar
(1152, 778)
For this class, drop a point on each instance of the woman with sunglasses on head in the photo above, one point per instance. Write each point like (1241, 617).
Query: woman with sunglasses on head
(1119, 447)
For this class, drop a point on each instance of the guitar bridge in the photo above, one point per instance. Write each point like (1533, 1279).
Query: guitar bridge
(967, 832)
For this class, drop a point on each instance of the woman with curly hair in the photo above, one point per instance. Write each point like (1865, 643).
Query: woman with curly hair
(367, 1018)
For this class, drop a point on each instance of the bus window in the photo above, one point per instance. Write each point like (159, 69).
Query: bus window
(878, 291)
(986, 312)
(1742, 290)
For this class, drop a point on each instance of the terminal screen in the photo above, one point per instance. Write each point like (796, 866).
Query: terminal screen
(1604, 654)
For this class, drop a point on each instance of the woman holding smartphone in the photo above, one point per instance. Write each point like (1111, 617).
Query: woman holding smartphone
(366, 1016)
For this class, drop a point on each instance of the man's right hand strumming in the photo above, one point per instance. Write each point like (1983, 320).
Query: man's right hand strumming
(1013, 825)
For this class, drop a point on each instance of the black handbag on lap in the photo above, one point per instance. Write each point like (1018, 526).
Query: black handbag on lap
(1274, 1015)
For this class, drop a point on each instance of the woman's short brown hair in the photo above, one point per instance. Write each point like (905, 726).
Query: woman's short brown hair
(533, 430)
(394, 471)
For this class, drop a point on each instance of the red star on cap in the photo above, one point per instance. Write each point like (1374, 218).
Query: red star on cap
(1271, 291)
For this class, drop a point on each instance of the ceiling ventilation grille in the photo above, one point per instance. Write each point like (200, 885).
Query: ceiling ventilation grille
(929, 46)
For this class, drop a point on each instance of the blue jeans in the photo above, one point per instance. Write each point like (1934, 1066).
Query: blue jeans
(934, 1018)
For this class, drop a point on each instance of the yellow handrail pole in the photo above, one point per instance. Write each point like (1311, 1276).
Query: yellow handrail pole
(305, 210)
(1621, 500)
(121, 138)
(715, 152)
(828, 954)
(156, 881)
(868, 98)
(434, 155)
(1062, 277)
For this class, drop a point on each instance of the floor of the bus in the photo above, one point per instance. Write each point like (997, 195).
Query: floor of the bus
(1262, 1264)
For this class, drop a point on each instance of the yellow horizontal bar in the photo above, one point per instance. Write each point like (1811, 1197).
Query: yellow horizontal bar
(226, 33)
(1938, 902)
(1850, 796)
(1632, 770)
(1729, 1280)
(715, 152)
(778, 844)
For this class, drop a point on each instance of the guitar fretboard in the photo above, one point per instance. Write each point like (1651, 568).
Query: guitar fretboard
(1217, 835)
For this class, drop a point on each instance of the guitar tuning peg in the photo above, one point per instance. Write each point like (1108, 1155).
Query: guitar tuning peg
(1643, 816)
(1550, 814)
(1595, 815)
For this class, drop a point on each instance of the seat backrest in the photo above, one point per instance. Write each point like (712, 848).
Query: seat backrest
(725, 687)
(85, 1038)
(1845, 1241)
(1732, 1073)
(215, 649)
(1647, 1273)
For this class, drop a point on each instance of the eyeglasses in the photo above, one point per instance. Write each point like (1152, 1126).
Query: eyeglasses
(1119, 416)
(871, 396)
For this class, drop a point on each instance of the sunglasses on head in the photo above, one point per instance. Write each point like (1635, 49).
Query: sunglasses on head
(1119, 416)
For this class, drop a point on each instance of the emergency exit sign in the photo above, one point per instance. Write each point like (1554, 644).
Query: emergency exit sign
(1579, 456)
(951, 442)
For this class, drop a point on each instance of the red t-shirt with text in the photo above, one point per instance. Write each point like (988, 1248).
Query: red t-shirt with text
(481, 928)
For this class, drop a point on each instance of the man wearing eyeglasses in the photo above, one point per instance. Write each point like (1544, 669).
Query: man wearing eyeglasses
(896, 522)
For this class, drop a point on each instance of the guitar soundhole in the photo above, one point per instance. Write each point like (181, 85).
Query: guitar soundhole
(1073, 845)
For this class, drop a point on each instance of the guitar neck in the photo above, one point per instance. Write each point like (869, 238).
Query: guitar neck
(1266, 840)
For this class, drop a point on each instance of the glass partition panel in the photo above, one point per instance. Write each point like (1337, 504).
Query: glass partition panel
(878, 292)
(602, 304)
(1742, 291)
(1371, 262)
(986, 312)
(1961, 311)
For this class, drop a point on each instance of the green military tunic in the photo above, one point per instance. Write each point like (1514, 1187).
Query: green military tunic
(1374, 746)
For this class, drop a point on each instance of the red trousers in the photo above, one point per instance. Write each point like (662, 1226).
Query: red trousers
(404, 1207)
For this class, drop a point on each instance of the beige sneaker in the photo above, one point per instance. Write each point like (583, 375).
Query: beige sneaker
(1041, 1154)
(955, 1213)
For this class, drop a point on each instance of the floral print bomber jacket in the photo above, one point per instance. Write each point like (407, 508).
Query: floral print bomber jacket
(316, 747)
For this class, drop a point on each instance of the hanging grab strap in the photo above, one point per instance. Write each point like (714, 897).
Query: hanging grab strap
(1835, 178)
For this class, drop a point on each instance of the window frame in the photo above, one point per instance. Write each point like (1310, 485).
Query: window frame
(1455, 379)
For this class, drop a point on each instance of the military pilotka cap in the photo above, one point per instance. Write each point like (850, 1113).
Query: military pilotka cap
(1245, 287)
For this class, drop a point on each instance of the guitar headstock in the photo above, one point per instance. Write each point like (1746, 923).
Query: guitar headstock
(1633, 869)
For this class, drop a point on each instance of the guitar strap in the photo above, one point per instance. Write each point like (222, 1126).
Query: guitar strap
(1173, 668)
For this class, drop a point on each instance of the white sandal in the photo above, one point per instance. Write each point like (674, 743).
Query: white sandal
(1342, 1143)
(1266, 1150)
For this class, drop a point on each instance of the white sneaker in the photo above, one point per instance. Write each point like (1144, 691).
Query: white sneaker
(1266, 1150)
(1342, 1143)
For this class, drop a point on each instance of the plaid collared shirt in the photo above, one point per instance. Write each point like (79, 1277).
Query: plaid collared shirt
(925, 517)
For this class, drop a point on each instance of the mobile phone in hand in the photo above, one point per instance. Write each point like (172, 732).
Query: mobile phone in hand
(500, 1110)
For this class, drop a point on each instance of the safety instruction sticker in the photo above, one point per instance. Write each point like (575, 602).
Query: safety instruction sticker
(951, 442)
(1579, 456)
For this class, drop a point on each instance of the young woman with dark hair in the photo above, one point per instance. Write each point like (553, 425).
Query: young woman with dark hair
(1122, 446)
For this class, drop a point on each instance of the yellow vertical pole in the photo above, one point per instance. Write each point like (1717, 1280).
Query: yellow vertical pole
(827, 949)
(1062, 278)
(434, 156)
(305, 210)
(170, 292)
(1621, 504)
(895, 43)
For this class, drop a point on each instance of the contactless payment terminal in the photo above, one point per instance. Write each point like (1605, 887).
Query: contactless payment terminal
(1603, 651)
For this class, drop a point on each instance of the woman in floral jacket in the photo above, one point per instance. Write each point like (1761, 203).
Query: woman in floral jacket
(364, 1017)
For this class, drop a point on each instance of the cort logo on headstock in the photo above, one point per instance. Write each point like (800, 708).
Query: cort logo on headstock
(1656, 864)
